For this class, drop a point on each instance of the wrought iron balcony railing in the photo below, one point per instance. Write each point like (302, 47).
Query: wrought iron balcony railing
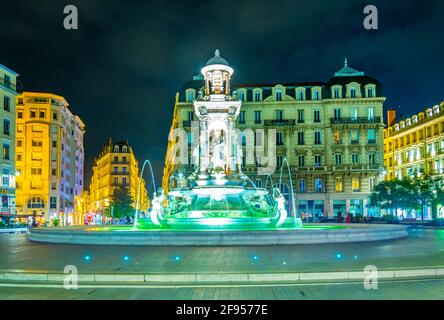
(280, 122)
(348, 120)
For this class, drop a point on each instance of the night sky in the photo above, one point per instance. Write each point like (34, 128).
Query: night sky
(120, 70)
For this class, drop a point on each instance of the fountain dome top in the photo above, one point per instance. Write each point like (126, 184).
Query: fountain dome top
(217, 59)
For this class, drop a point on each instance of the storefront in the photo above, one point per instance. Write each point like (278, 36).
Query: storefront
(7, 198)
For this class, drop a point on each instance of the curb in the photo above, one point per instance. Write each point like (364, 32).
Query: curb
(219, 278)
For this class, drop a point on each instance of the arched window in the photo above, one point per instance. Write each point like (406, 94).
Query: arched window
(36, 203)
(124, 149)
(116, 148)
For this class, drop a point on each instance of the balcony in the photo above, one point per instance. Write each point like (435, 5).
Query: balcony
(281, 122)
(120, 162)
(119, 173)
(350, 120)
(8, 85)
(371, 141)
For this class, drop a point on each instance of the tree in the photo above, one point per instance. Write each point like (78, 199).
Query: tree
(121, 203)
(393, 195)
(428, 193)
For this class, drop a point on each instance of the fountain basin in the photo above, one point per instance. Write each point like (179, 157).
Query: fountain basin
(308, 234)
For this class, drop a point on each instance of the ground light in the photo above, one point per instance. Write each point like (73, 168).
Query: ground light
(126, 258)
(87, 257)
(338, 255)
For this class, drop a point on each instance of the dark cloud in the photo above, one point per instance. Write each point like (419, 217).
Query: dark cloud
(121, 69)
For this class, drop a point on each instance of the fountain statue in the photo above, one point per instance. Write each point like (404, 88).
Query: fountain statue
(217, 194)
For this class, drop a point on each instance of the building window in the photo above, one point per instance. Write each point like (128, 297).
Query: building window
(317, 137)
(301, 140)
(278, 95)
(279, 138)
(54, 116)
(355, 158)
(123, 180)
(19, 114)
(5, 177)
(6, 127)
(338, 184)
(356, 185)
(257, 117)
(318, 162)
(338, 159)
(116, 169)
(318, 185)
(190, 116)
(7, 103)
(279, 115)
(123, 169)
(301, 161)
(316, 95)
(19, 157)
(19, 143)
(354, 136)
(279, 161)
(353, 93)
(300, 95)
(6, 151)
(371, 133)
(337, 114)
(317, 116)
(301, 185)
(241, 96)
(354, 114)
(242, 117)
(53, 202)
(36, 171)
(190, 96)
(32, 114)
(36, 203)
(370, 92)
(257, 96)
(116, 180)
(337, 136)
(371, 159)
(42, 115)
(301, 116)
(7, 81)
(336, 93)
(370, 113)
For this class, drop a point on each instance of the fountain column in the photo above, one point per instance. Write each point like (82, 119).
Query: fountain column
(232, 145)
(203, 154)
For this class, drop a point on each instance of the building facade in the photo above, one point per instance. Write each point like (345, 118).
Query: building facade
(330, 134)
(8, 92)
(49, 157)
(116, 166)
(415, 145)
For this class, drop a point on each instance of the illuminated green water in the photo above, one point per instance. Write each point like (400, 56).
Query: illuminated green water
(194, 228)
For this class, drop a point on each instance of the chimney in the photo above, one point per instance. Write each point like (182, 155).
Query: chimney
(391, 117)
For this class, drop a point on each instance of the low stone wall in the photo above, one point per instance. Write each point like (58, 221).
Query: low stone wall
(352, 233)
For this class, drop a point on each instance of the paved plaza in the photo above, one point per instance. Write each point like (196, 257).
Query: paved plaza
(422, 248)
(413, 289)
